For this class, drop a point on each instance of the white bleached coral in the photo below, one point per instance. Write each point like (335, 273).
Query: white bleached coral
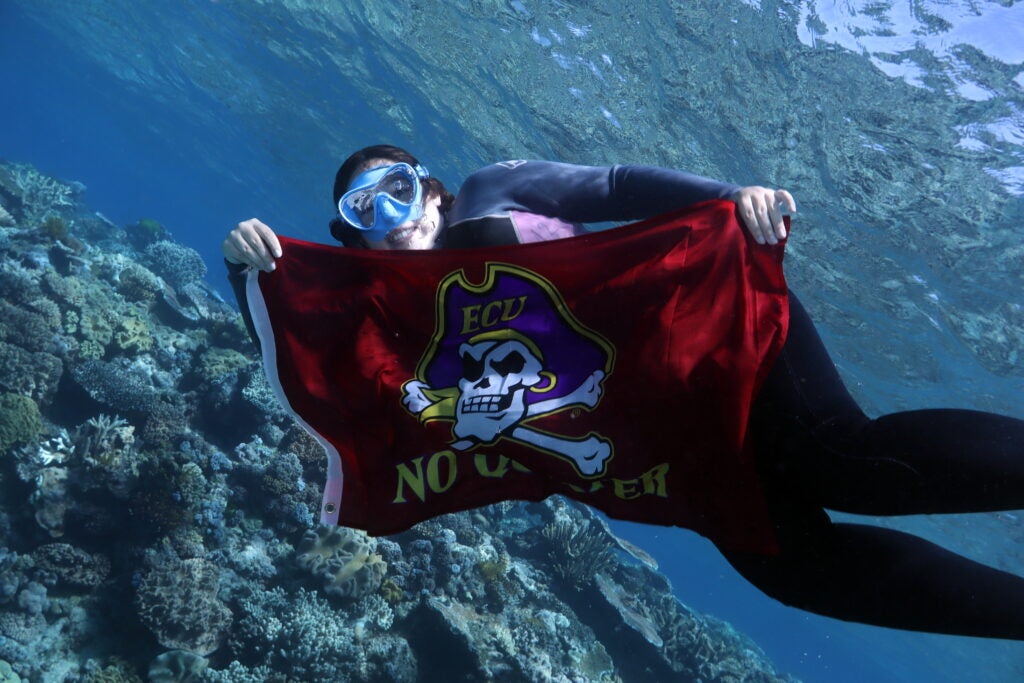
(56, 450)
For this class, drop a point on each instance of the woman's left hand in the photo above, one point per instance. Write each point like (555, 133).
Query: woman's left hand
(761, 209)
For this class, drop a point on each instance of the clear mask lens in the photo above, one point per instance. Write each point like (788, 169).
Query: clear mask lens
(382, 198)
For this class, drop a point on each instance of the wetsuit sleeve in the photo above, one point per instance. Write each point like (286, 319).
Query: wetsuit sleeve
(236, 276)
(582, 194)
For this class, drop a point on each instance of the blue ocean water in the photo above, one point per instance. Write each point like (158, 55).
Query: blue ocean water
(898, 126)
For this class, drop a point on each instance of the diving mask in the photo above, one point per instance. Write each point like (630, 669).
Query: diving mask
(382, 198)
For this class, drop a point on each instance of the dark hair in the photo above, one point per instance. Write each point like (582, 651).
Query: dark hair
(432, 187)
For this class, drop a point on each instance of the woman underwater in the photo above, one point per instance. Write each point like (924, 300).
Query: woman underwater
(814, 447)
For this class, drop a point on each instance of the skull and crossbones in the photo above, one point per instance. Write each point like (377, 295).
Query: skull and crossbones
(497, 372)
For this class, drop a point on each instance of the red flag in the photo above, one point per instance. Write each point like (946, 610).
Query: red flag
(616, 368)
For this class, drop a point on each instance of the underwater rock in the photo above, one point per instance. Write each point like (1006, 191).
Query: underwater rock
(522, 644)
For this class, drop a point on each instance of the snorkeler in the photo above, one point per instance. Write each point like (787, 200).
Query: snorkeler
(815, 449)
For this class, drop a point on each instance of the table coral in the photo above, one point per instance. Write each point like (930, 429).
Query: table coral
(633, 612)
(343, 558)
(115, 385)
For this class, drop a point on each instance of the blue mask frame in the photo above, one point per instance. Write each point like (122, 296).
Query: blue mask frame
(371, 204)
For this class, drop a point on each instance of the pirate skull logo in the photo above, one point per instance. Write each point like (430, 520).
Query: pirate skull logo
(490, 382)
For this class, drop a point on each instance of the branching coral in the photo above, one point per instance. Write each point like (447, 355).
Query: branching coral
(56, 450)
(40, 193)
(578, 553)
(105, 441)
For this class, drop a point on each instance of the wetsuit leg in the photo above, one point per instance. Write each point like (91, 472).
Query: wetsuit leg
(816, 449)
(809, 431)
(883, 577)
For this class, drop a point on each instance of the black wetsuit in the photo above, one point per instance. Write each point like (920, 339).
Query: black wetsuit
(815, 447)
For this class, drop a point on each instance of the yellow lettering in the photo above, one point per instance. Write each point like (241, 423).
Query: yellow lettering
(478, 316)
(507, 314)
(434, 471)
(626, 488)
(486, 319)
(414, 480)
(654, 480)
(519, 467)
(594, 487)
(483, 467)
(470, 318)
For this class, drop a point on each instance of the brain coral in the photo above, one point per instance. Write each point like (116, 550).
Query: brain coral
(344, 558)
(20, 420)
(177, 601)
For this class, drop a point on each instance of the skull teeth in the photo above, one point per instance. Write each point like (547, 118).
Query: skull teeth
(491, 403)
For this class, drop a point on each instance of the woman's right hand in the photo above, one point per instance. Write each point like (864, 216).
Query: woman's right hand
(252, 243)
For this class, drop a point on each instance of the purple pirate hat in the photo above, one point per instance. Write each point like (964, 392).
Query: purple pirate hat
(514, 299)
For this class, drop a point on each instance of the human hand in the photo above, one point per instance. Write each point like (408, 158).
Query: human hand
(252, 243)
(761, 211)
